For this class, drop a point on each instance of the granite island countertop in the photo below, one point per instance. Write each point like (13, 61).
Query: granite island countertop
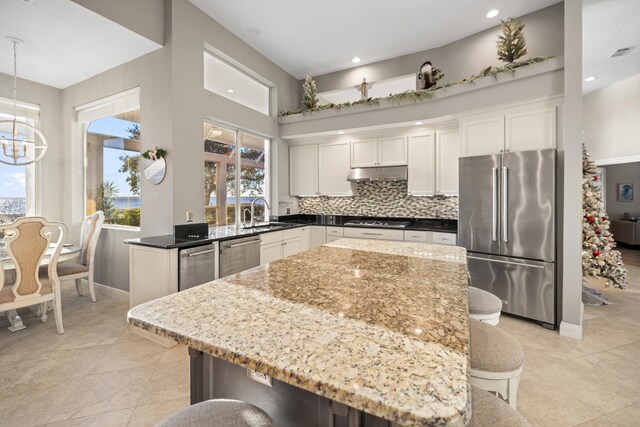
(378, 326)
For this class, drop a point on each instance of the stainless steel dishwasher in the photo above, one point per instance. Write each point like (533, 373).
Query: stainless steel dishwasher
(239, 254)
(197, 266)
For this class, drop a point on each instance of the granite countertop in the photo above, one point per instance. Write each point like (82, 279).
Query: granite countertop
(379, 326)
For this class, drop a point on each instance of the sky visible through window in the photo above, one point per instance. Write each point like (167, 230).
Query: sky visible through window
(117, 128)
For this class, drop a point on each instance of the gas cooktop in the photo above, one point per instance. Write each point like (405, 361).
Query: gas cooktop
(378, 223)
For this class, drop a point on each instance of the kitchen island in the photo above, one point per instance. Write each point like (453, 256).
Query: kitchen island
(355, 332)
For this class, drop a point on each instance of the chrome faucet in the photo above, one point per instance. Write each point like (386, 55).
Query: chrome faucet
(253, 203)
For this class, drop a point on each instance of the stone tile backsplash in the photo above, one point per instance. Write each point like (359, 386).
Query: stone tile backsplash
(382, 198)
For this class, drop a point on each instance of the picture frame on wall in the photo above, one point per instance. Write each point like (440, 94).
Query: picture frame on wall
(625, 192)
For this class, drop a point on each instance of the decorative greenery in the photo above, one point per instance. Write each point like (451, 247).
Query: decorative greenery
(422, 95)
(156, 154)
(310, 98)
(511, 44)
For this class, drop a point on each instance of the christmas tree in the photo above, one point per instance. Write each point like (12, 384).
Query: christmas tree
(511, 44)
(598, 255)
(310, 99)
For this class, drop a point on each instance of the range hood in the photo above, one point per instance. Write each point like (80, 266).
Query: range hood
(388, 173)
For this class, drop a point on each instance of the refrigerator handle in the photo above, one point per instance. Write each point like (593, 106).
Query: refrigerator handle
(505, 202)
(494, 204)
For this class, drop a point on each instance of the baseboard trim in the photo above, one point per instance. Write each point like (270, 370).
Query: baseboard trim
(108, 291)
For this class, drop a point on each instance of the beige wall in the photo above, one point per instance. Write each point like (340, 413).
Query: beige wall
(462, 58)
(49, 173)
(612, 122)
(173, 106)
(622, 173)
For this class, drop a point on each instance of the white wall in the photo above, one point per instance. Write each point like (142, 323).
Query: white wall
(612, 122)
(622, 173)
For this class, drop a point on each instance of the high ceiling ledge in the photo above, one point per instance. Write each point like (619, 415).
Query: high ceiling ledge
(533, 82)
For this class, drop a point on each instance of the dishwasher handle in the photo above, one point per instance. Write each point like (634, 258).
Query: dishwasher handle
(189, 255)
(235, 245)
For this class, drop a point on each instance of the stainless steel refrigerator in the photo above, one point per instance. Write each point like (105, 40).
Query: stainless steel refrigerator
(507, 224)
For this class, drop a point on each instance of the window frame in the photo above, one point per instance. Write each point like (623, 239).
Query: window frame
(108, 106)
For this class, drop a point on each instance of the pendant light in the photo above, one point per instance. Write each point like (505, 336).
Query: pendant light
(26, 144)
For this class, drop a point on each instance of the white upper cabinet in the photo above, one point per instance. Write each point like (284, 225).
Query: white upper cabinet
(333, 169)
(447, 154)
(422, 178)
(484, 136)
(303, 170)
(364, 153)
(392, 151)
(389, 151)
(530, 130)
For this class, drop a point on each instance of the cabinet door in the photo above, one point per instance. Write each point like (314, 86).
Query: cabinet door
(417, 236)
(374, 234)
(271, 252)
(333, 238)
(447, 154)
(392, 151)
(318, 236)
(303, 170)
(291, 247)
(334, 166)
(364, 153)
(484, 136)
(531, 130)
(444, 238)
(421, 170)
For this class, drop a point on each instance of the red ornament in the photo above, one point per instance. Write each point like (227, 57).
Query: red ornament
(604, 218)
(596, 253)
(590, 219)
(597, 230)
(595, 178)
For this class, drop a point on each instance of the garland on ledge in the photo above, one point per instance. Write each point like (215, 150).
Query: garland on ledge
(422, 95)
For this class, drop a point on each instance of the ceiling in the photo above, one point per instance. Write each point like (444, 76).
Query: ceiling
(608, 25)
(304, 36)
(64, 43)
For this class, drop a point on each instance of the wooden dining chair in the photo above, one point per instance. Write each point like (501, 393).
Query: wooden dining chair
(82, 268)
(27, 241)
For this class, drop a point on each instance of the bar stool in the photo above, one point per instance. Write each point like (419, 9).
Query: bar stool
(219, 413)
(484, 306)
(488, 410)
(496, 360)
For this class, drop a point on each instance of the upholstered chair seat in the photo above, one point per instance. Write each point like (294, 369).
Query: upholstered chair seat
(67, 268)
(484, 306)
(496, 360)
(487, 410)
(219, 412)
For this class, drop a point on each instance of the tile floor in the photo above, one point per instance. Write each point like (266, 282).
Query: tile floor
(99, 374)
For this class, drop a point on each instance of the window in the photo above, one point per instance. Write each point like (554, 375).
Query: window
(220, 177)
(17, 188)
(112, 152)
(228, 81)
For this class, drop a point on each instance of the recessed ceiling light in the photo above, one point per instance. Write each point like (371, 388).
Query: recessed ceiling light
(230, 90)
(253, 32)
(418, 123)
(493, 13)
(340, 132)
(355, 60)
(590, 79)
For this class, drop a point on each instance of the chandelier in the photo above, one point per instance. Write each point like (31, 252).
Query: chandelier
(25, 144)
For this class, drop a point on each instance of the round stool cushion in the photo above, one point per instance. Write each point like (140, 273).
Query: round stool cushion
(488, 410)
(492, 349)
(483, 302)
(219, 413)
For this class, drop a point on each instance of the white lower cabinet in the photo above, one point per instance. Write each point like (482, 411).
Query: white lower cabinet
(444, 238)
(318, 236)
(333, 238)
(281, 244)
(435, 237)
(374, 234)
(417, 236)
